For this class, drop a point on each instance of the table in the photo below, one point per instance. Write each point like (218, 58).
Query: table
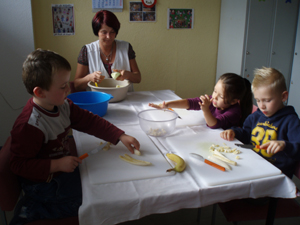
(113, 203)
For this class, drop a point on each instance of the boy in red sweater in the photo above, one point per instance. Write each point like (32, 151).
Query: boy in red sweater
(41, 156)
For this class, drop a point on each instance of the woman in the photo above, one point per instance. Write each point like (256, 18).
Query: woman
(99, 59)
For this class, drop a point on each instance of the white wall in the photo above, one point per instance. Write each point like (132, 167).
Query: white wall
(16, 43)
(232, 32)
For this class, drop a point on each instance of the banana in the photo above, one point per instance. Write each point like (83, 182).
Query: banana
(179, 162)
(131, 160)
(137, 152)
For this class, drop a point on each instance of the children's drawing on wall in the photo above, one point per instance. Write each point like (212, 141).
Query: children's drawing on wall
(180, 18)
(63, 19)
(140, 13)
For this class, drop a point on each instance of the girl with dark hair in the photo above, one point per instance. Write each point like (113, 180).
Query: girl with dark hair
(100, 58)
(229, 104)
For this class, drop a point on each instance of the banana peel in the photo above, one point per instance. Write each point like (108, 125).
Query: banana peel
(134, 161)
(179, 162)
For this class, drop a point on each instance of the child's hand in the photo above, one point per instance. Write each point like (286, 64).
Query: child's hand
(66, 164)
(130, 142)
(160, 106)
(206, 101)
(228, 135)
(273, 147)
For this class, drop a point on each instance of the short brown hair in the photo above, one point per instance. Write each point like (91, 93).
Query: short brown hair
(268, 77)
(39, 67)
(107, 18)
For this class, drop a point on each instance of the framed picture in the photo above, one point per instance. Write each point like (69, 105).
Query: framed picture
(63, 19)
(140, 13)
(180, 18)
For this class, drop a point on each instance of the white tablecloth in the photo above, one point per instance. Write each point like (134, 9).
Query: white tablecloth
(118, 202)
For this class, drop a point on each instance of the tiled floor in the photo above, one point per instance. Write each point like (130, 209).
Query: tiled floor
(189, 217)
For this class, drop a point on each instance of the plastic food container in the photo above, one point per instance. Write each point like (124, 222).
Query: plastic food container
(95, 102)
(157, 123)
(116, 88)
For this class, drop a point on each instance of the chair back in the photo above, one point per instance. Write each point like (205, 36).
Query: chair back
(254, 108)
(10, 187)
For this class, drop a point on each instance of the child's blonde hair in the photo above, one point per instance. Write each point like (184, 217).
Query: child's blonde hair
(268, 77)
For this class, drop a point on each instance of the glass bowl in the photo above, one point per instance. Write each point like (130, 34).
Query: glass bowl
(157, 123)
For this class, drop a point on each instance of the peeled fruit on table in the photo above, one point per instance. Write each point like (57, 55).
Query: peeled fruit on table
(134, 161)
(115, 75)
(178, 161)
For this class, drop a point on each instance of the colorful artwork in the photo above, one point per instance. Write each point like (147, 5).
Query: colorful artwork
(63, 19)
(180, 18)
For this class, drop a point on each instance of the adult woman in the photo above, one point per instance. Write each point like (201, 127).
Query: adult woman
(100, 58)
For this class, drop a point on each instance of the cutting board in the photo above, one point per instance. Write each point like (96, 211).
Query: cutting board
(249, 166)
(106, 166)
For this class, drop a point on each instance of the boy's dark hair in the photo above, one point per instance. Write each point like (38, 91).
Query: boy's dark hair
(237, 87)
(39, 67)
(107, 18)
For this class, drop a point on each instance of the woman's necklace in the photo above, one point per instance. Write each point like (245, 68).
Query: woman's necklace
(107, 57)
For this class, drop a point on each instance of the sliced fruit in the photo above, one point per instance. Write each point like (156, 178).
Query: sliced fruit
(223, 158)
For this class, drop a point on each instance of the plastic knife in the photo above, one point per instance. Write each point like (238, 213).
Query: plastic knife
(94, 151)
(197, 156)
(250, 146)
(174, 111)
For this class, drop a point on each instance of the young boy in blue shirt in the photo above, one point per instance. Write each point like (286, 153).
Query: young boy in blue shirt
(274, 126)
(40, 150)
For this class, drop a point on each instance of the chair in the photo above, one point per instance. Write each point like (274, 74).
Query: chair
(240, 210)
(254, 108)
(10, 189)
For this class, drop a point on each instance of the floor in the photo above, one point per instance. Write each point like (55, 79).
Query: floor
(189, 217)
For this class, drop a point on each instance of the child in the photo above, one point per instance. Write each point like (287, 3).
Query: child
(274, 126)
(229, 105)
(40, 150)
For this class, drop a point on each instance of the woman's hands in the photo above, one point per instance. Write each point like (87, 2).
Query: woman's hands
(133, 77)
(95, 77)
(124, 75)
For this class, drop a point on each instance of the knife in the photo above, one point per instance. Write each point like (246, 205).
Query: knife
(197, 156)
(174, 111)
(94, 151)
(248, 146)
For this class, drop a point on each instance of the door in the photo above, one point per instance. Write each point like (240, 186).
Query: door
(284, 37)
(270, 37)
(258, 36)
(294, 91)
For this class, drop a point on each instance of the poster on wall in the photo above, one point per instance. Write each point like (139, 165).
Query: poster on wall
(111, 5)
(180, 18)
(63, 19)
(140, 13)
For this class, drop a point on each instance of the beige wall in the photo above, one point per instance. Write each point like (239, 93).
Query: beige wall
(180, 60)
